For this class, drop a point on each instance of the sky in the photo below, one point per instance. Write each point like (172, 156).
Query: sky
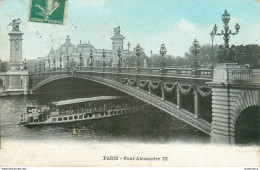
(150, 23)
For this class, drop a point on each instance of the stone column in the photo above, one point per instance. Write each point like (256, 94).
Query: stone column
(179, 98)
(163, 93)
(15, 62)
(117, 41)
(25, 84)
(196, 104)
(223, 120)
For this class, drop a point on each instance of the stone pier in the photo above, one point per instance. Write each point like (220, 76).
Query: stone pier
(234, 89)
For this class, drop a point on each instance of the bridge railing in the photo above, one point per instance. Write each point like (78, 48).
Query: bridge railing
(244, 75)
(181, 72)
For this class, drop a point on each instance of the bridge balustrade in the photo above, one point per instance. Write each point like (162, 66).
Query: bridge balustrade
(239, 74)
(182, 72)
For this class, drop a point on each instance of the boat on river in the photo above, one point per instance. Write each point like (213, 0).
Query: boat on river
(78, 110)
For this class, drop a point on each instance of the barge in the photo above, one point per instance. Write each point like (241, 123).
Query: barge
(78, 110)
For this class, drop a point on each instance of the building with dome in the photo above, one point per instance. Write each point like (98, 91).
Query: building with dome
(69, 52)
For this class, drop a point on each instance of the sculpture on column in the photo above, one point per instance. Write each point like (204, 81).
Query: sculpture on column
(15, 24)
(117, 30)
(226, 54)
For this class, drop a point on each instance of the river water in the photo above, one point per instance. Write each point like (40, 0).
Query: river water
(152, 127)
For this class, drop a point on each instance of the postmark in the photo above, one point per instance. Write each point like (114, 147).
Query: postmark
(48, 11)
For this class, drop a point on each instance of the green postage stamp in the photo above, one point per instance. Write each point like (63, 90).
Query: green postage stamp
(48, 11)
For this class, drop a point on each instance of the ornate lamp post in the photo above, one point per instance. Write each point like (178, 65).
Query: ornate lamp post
(91, 58)
(195, 49)
(228, 55)
(119, 57)
(212, 39)
(88, 64)
(60, 62)
(104, 56)
(35, 67)
(40, 66)
(128, 46)
(151, 58)
(225, 18)
(24, 62)
(163, 52)
(49, 61)
(44, 65)
(68, 59)
(80, 60)
(54, 63)
(138, 53)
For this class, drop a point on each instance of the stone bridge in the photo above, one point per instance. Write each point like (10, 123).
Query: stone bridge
(232, 90)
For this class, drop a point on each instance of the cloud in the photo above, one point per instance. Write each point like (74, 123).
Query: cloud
(234, 20)
(178, 38)
(184, 25)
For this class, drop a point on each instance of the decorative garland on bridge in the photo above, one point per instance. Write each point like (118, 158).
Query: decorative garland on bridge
(131, 82)
(152, 86)
(203, 93)
(123, 80)
(169, 89)
(183, 90)
(143, 85)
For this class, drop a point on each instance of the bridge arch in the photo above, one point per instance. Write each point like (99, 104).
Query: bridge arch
(247, 129)
(151, 99)
(246, 116)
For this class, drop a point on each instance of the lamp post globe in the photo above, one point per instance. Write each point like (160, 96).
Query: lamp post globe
(104, 56)
(237, 27)
(215, 28)
(225, 17)
(195, 43)
(128, 45)
(138, 53)
(91, 57)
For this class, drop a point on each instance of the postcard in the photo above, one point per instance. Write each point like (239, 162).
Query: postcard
(132, 83)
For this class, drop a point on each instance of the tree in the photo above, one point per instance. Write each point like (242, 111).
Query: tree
(181, 61)
(248, 54)
(204, 57)
(131, 61)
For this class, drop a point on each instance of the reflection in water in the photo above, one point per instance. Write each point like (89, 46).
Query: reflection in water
(150, 126)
